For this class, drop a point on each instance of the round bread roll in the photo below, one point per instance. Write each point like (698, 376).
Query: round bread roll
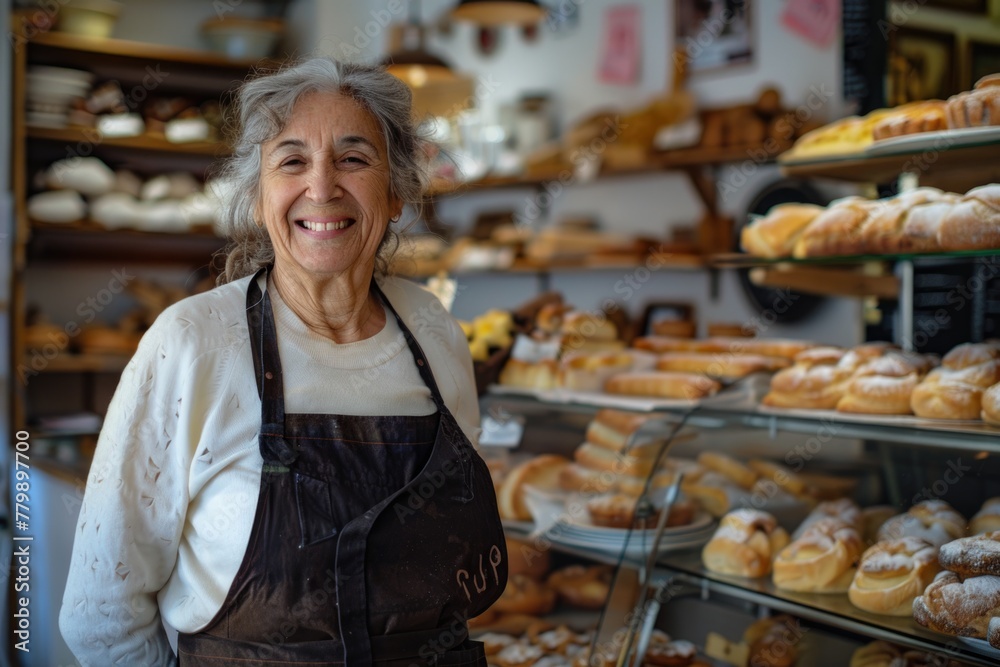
(542, 472)
(745, 543)
(892, 574)
(973, 556)
(822, 560)
(987, 519)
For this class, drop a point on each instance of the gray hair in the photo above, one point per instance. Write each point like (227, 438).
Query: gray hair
(263, 106)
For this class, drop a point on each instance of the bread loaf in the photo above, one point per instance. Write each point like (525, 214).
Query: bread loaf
(922, 222)
(892, 574)
(882, 230)
(662, 384)
(835, 230)
(718, 365)
(775, 234)
(973, 223)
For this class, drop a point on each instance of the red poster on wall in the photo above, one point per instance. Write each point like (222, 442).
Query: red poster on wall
(816, 20)
(620, 56)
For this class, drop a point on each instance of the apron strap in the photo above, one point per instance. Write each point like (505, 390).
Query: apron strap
(267, 370)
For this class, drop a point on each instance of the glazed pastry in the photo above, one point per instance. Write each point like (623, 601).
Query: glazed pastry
(973, 556)
(745, 543)
(957, 606)
(987, 519)
(823, 560)
(892, 574)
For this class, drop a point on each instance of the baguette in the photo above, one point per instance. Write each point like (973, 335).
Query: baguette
(662, 384)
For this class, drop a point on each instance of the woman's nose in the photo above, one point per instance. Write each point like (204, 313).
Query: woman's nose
(323, 182)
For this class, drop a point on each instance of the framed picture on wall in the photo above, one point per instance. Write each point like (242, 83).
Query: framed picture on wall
(975, 6)
(714, 34)
(983, 59)
(921, 65)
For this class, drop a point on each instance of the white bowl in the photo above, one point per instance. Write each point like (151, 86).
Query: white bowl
(91, 18)
(241, 38)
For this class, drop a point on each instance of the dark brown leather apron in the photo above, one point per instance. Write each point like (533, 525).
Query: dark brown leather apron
(374, 540)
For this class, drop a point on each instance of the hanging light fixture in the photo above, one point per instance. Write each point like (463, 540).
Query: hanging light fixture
(410, 60)
(499, 12)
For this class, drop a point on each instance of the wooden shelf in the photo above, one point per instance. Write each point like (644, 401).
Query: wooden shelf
(89, 242)
(122, 48)
(682, 262)
(145, 142)
(738, 260)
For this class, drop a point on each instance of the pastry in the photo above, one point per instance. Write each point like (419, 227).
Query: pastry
(611, 429)
(780, 475)
(773, 641)
(882, 231)
(809, 385)
(745, 543)
(518, 655)
(588, 372)
(932, 520)
(882, 385)
(494, 642)
(846, 136)
(947, 393)
(872, 519)
(922, 222)
(618, 511)
(718, 365)
(524, 557)
(912, 118)
(552, 641)
(842, 509)
(530, 374)
(822, 560)
(675, 653)
(990, 402)
(891, 574)
(662, 384)
(967, 355)
(716, 493)
(972, 556)
(785, 348)
(974, 108)
(638, 461)
(876, 654)
(993, 632)
(974, 222)
(726, 465)
(575, 477)
(661, 344)
(582, 586)
(541, 471)
(834, 231)
(775, 234)
(524, 595)
(957, 606)
(583, 324)
(987, 519)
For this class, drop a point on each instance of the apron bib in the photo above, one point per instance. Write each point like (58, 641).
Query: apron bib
(374, 539)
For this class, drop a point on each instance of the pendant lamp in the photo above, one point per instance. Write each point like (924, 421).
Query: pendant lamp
(409, 60)
(499, 12)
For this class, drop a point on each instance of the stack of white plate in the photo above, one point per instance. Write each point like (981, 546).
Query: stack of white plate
(51, 91)
(578, 531)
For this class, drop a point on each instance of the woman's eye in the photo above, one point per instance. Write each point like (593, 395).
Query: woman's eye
(291, 162)
(355, 159)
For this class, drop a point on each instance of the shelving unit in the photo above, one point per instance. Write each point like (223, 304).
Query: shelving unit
(917, 445)
(142, 70)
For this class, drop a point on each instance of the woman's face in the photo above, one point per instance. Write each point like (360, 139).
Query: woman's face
(324, 188)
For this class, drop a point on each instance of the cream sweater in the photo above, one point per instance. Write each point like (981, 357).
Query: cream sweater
(172, 489)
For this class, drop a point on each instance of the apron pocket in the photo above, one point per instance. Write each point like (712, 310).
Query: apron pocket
(315, 510)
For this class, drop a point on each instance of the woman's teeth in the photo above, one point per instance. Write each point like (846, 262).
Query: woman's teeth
(324, 226)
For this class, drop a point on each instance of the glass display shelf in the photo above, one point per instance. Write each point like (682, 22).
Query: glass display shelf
(742, 260)
(832, 609)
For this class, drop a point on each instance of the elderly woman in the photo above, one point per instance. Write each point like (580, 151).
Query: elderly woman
(286, 473)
